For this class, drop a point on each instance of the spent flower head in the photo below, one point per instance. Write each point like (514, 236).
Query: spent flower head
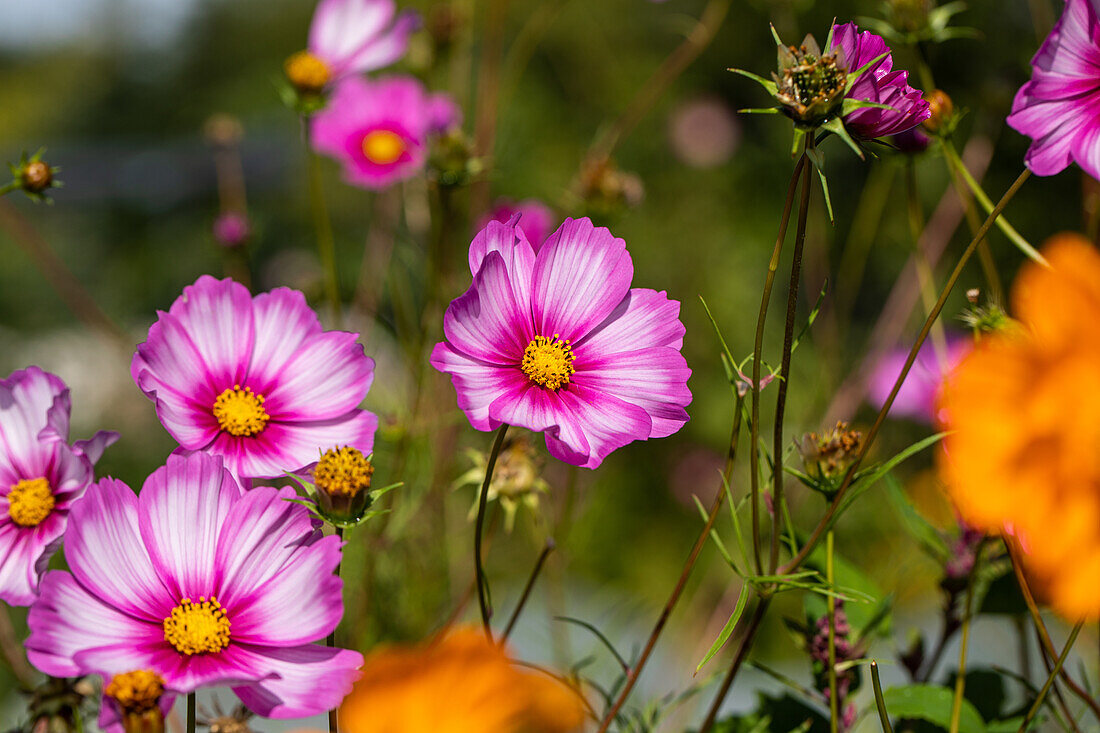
(516, 481)
(828, 456)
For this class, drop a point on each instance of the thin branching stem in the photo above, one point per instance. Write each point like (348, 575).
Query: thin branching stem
(880, 703)
(834, 702)
(964, 645)
(479, 569)
(546, 550)
(322, 224)
(1035, 706)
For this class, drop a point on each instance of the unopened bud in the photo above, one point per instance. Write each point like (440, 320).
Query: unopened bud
(972, 295)
(307, 73)
(942, 109)
(36, 176)
(342, 479)
(137, 695)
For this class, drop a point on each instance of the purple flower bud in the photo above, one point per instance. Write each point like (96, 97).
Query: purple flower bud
(231, 229)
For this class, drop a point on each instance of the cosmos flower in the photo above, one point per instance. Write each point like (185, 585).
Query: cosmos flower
(462, 683)
(379, 129)
(41, 476)
(536, 219)
(350, 37)
(916, 399)
(880, 83)
(552, 338)
(254, 380)
(201, 583)
(1024, 417)
(1058, 108)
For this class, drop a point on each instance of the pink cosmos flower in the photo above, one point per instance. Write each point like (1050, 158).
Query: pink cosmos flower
(536, 218)
(552, 337)
(356, 36)
(916, 399)
(201, 583)
(379, 129)
(41, 475)
(1059, 108)
(880, 84)
(254, 380)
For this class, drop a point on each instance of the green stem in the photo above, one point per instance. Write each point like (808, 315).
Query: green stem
(830, 514)
(322, 224)
(960, 674)
(546, 550)
(834, 703)
(920, 260)
(479, 569)
(9, 187)
(191, 713)
(333, 723)
(1051, 677)
(880, 703)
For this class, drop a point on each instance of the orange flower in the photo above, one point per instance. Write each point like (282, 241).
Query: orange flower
(1024, 457)
(463, 683)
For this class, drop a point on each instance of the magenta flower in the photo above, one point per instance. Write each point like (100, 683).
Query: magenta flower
(916, 399)
(536, 218)
(880, 84)
(201, 583)
(254, 380)
(553, 338)
(41, 475)
(379, 129)
(1059, 108)
(356, 36)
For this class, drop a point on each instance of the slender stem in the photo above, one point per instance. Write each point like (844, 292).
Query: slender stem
(326, 241)
(191, 713)
(738, 660)
(758, 346)
(9, 187)
(785, 365)
(488, 95)
(546, 550)
(333, 724)
(924, 269)
(12, 650)
(479, 569)
(985, 254)
(834, 703)
(960, 674)
(827, 519)
(880, 703)
(1051, 677)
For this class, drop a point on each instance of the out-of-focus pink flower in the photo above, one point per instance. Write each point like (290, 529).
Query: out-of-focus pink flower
(41, 477)
(356, 36)
(552, 338)
(880, 84)
(912, 141)
(379, 129)
(704, 132)
(536, 219)
(917, 398)
(1059, 109)
(231, 229)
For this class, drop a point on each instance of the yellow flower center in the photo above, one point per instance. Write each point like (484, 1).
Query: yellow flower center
(383, 147)
(307, 72)
(197, 628)
(136, 691)
(241, 412)
(343, 472)
(548, 362)
(30, 502)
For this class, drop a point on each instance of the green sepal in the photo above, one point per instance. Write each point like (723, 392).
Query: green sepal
(836, 126)
(818, 159)
(770, 86)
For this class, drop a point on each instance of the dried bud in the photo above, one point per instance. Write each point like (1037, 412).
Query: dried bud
(452, 161)
(828, 457)
(516, 478)
(221, 722)
(608, 192)
(307, 73)
(972, 296)
(810, 86)
(942, 110)
(137, 695)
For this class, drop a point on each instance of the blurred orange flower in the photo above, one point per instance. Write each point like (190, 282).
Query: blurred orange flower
(1024, 457)
(463, 683)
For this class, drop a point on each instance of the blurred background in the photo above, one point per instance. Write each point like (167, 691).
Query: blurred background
(141, 101)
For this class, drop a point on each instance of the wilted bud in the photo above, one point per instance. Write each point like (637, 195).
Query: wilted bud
(516, 480)
(231, 229)
(342, 479)
(827, 457)
(137, 695)
(941, 108)
(810, 86)
(445, 22)
(307, 73)
(59, 705)
(911, 142)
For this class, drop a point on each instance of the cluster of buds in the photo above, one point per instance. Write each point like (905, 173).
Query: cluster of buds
(516, 481)
(810, 86)
(844, 651)
(33, 176)
(827, 457)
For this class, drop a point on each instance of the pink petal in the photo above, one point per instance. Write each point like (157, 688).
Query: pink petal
(385, 49)
(18, 555)
(217, 316)
(181, 672)
(654, 379)
(488, 321)
(27, 408)
(605, 421)
(284, 321)
(476, 383)
(340, 28)
(325, 378)
(644, 318)
(310, 680)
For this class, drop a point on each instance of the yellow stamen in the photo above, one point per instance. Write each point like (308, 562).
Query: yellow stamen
(240, 412)
(136, 691)
(306, 72)
(343, 472)
(383, 147)
(197, 628)
(548, 362)
(30, 501)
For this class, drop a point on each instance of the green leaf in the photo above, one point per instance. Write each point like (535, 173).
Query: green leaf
(836, 126)
(728, 628)
(818, 159)
(759, 111)
(865, 482)
(813, 315)
(914, 523)
(768, 85)
(714, 536)
(851, 105)
(1011, 725)
(853, 76)
(933, 704)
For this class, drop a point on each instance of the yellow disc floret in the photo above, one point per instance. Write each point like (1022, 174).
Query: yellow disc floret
(197, 628)
(343, 472)
(307, 72)
(548, 362)
(240, 412)
(136, 691)
(30, 501)
(383, 147)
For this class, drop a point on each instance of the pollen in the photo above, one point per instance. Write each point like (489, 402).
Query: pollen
(307, 72)
(383, 147)
(548, 362)
(197, 628)
(136, 692)
(30, 501)
(343, 472)
(240, 412)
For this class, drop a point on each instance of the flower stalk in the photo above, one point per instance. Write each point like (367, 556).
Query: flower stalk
(960, 674)
(1035, 706)
(834, 702)
(479, 570)
(322, 223)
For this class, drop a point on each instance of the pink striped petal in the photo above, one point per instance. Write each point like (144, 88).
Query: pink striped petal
(284, 321)
(325, 378)
(341, 27)
(489, 322)
(654, 379)
(217, 316)
(306, 680)
(182, 673)
(643, 319)
(384, 49)
(476, 383)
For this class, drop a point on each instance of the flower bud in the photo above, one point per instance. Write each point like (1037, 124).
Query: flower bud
(942, 109)
(827, 457)
(307, 73)
(231, 229)
(137, 695)
(342, 478)
(36, 176)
